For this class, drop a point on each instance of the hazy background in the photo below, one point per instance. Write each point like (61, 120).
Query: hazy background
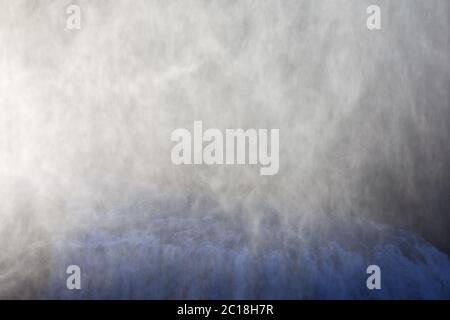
(86, 117)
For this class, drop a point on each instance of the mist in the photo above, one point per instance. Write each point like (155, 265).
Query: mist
(86, 176)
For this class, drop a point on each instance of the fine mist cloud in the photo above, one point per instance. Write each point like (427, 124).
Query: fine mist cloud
(87, 116)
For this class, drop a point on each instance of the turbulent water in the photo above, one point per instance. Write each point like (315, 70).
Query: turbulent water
(182, 257)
